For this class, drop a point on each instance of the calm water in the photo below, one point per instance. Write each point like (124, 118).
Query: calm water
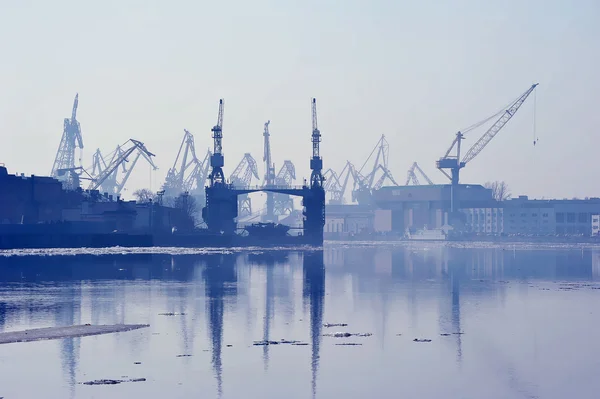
(529, 320)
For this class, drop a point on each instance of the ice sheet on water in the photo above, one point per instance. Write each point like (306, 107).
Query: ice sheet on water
(65, 332)
(147, 250)
(346, 335)
(429, 245)
(111, 382)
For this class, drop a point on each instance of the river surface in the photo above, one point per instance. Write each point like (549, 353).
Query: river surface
(504, 322)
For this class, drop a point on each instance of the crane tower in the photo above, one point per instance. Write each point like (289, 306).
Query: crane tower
(454, 162)
(64, 163)
(217, 160)
(316, 162)
(269, 174)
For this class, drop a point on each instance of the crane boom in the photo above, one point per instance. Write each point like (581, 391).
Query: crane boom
(454, 162)
(411, 176)
(492, 131)
(77, 130)
(114, 164)
(242, 174)
(198, 175)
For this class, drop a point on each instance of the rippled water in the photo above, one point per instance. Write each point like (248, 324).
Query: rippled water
(515, 322)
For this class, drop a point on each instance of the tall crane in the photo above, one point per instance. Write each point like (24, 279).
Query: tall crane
(333, 186)
(454, 163)
(140, 153)
(283, 203)
(365, 183)
(269, 165)
(242, 178)
(217, 161)
(185, 161)
(64, 163)
(113, 183)
(99, 164)
(316, 162)
(96, 181)
(411, 175)
(269, 174)
(336, 184)
(194, 182)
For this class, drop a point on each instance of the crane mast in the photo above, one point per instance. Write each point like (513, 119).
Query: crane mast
(269, 174)
(217, 160)
(63, 167)
(316, 163)
(269, 165)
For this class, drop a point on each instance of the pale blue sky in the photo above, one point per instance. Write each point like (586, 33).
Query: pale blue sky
(415, 71)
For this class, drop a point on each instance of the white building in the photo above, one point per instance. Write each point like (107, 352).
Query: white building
(595, 225)
(484, 220)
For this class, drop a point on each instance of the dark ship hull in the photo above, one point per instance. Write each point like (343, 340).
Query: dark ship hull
(45, 236)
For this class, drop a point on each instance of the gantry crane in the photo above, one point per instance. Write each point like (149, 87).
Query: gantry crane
(336, 184)
(333, 186)
(217, 161)
(96, 181)
(454, 162)
(113, 184)
(411, 175)
(269, 165)
(365, 184)
(176, 174)
(316, 162)
(187, 173)
(284, 203)
(99, 164)
(242, 178)
(64, 163)
(277, 204)
(269, 174)
(195, 181)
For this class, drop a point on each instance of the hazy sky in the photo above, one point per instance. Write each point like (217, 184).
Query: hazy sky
(416, 71)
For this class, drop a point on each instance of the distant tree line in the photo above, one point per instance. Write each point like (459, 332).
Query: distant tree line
(500, 190)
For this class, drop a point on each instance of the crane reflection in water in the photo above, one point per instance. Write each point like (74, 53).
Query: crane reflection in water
(217, 290)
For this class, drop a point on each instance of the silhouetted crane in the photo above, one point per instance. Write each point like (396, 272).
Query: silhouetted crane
(455, 164)
(64, 167)
(242, 178)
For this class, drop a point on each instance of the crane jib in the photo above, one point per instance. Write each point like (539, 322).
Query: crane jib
(496, 127)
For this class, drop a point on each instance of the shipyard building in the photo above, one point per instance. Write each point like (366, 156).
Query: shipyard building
(396, 209)
(30, 201)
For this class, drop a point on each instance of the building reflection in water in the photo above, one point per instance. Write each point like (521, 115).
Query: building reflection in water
(385, 276)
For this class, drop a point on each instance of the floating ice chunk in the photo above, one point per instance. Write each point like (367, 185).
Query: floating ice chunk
(65, 332)
(346, 335)
(112, 382)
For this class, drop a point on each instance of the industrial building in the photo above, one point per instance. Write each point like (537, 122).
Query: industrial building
(420, 207)
(28, 201)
